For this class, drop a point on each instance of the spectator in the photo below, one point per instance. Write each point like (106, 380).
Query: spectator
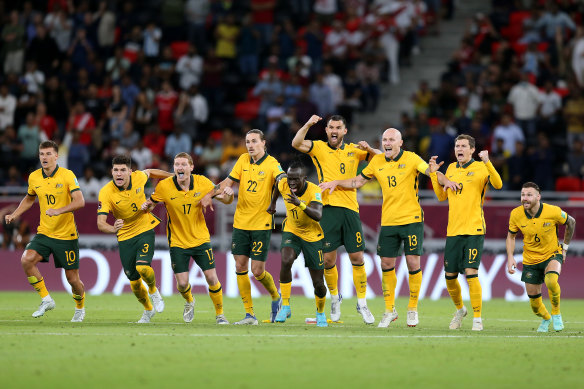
(45, 122)
(155, 140)
(142, 155)
(81, 121)
(43, 51)
(549, 108)
(542, 163)
(336, 46)
(13, 45)
(129, 91)
(226, 34)
(190, 68)
(524, 97)
(196, 12)
(10, 147)
(268, 90)
(314, 38)
(29, 136)
(143, 113)
(554, 20)
(509, 132)
(166, 102)
(211, 155)
(322, 96)
(78, 153)
(106, 29)
(117, 113)
(578, 56)
(248, 47)
(519, 167)
(80, 49)
(335, 84)
(89, 184)
(177, 142)
(117, 65)
(574, 114)
(368, 71)
(60, 28)
(152, 36)
(130, 138)
(575, 160)
(7, 107)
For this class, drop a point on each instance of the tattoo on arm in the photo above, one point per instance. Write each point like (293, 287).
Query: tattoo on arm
(570, 227)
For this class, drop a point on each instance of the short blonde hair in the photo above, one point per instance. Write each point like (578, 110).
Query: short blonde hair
(185, 155)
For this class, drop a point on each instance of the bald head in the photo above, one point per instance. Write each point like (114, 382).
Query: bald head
(391, 142)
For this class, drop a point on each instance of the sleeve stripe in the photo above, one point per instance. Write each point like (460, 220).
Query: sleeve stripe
(311, 146)
(154, 201)
(75, 190)
(365, 177)
(513, 232)
(34, 195)
(233, 179)
(103, 213)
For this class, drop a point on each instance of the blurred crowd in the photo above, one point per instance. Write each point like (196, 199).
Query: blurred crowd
(153, 78)
(516, 84)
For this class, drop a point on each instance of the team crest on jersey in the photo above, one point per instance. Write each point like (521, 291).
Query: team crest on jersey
(350, 154)
(98, 205)
(401, 166)
(59, 186)
(470, 174)
(138, 190)
(197, 194)
(547, 224)
(261, 173)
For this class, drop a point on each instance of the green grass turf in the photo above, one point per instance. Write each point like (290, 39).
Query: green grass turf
(109, 351)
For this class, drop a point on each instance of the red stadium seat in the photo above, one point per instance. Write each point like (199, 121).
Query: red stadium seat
(247, 110)
(568, 184)
(179, 48)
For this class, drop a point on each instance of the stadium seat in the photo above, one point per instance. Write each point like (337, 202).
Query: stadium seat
(247, 110)
(179, 48)
(568, 184)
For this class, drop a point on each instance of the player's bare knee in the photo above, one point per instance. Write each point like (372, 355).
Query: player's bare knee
(356, 258)
(211, 279)
(72, 277)
(28, 259)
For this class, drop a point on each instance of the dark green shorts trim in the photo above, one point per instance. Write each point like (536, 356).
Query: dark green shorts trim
(391, 238)
(253, 244)
(535, 274)
(138, 250)
(65, 252)
(463, 252)
(312, 251)
(342, 227)
(202, 254)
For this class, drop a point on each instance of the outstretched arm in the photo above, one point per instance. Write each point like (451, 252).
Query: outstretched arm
(510, 246)
(207, 201)
(157, 173)
(24, 206)
(349, 183)
(226, 197)
(301, 144)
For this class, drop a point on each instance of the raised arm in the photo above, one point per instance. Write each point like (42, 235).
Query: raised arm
(301, 144)
(24, 206)
(349, 183)
(77, 201)
(494, 176)
(363, 145)
(432, 170)
(157, 173)
(510, 246)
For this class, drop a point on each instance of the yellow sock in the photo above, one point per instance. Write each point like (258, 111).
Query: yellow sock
(268, 282)
(331, 277)
(388, 283)
(216, 294)
(476, 294)
(286, 289)
(244, 285)
(187, 293)
(454, 290)
(39, 286)
(551, 281)
(415, 281)
(320, 303)
(360, 280)
(141, 294)
(147, 274)
(538, 308)
(79, 300)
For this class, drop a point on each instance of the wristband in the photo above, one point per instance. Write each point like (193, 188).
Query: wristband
(302, 206)
(564, 246)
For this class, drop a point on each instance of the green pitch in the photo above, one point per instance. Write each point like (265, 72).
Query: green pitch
(109, 351)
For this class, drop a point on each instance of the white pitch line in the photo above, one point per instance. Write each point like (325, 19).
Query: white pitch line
(566, 335)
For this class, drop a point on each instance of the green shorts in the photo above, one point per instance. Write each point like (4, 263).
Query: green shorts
(391, 238)
(65, 252)
(138, 250)
(203, 256)
(535, 274)
(254, 244)
(463, 252)
(312, 251)
(342, 227)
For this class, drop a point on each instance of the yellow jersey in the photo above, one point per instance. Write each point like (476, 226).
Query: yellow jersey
(256, 182)
(540, 232)
(186, 227)
(337, 164)
(125, 205)
(54, 192)
(399, 184)
(465, 206)
(297, 221)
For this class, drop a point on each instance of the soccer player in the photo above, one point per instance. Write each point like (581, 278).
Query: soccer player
(465, 234)
(256, 172)
(402, 218)
(337, 160)
(542, 255)
(59, 196)
(134, 228)
(187, 231)
(301, 232)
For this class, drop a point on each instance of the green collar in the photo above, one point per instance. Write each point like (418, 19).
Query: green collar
(538, 214)
(52, 174)
(259, 161)
(178, 187)
(121, 188)
(399, 155)
(301, 193)
(466, 164)
(342, 146)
